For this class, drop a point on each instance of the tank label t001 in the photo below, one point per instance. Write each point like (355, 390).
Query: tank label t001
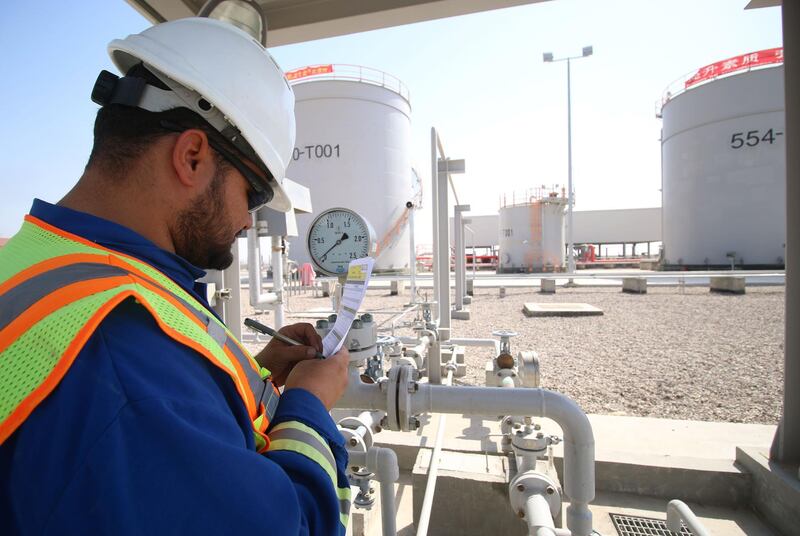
(316, 151)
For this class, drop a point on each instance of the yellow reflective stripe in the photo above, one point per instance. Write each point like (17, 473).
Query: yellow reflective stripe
(344, 504)
(260, 441)
(344, 494)
(305, 450)
(298, 437)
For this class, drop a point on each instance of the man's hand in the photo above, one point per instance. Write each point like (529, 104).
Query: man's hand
(280, 358)
(324, 378)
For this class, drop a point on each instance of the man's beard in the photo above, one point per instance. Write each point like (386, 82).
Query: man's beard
(202, 235)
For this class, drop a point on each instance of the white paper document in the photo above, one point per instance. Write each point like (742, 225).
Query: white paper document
(355, 288)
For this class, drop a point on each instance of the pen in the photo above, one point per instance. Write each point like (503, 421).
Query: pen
(266, 330)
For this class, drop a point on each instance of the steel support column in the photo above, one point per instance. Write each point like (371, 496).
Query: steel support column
(786, 445)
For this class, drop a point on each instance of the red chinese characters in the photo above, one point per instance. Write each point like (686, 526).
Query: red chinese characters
(312, 70)
(737, 63)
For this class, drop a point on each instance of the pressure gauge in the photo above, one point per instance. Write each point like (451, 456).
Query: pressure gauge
(338, 236)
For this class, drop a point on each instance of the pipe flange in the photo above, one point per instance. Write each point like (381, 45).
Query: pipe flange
(353, 441)
(406, 387)
(351, 424)
(530, 483)
(392, 416)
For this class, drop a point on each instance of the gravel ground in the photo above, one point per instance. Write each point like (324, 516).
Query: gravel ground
(671, 354)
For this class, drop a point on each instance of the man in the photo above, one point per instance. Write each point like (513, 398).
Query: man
(126, 406)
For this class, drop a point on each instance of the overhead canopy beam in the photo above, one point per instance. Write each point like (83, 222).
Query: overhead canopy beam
(295, 21)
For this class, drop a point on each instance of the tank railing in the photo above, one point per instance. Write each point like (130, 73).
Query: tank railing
(358, 73)
(532, 195)
(678, 86)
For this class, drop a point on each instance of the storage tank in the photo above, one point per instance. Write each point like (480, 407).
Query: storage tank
(723, 166)
(532, 235)
(353, 151)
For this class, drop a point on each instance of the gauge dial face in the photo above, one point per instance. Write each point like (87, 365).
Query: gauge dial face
(338, 236)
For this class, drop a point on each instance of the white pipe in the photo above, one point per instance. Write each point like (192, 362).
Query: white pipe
(371, 418)
(677, 510)
(433, 471)
(383, 463)
(277, 280)
(257, 299)
(494, 343)
(538, 516)
(578, 436)
(413, 256)
(492, 401)
(386, 468)
(435, 219)
(360, 395)
(443, 275)
(458, 228)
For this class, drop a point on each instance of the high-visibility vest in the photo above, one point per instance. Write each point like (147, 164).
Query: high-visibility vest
(56, 288)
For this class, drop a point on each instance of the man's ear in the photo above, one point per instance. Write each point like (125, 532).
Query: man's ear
(192, 158)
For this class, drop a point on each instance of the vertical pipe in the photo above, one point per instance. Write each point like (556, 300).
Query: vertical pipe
(570, 256)
(433, 471)
(435, 221)
(277, 279)
(538, 517)
(458, 228)
(413, 254)
(444, 259)
(233, 306)
(786, 445)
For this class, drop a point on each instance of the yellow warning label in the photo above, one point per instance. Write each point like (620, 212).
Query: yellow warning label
(356, 273)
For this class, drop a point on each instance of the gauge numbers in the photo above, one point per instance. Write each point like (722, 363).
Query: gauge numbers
(338, 236)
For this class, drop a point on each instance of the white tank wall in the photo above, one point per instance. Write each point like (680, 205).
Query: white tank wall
(522, 247)
(553, 234)
(353, 151)
(716, 198)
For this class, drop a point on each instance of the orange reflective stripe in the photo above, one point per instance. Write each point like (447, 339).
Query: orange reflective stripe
(158, 289)
(116, 258)
(252, 362)
(53, 302)
(30, 402)
(248, 395)
(50, 264)
(75, 238)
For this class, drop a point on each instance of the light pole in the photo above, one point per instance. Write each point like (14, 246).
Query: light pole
(548, 58)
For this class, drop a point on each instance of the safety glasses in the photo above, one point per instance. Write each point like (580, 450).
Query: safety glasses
(259, 193)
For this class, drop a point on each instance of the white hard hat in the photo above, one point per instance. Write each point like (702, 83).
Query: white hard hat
(206, 61)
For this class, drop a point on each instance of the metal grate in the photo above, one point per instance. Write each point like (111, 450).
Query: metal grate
(644, 526)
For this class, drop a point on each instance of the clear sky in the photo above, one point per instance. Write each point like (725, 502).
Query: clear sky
(478, 78)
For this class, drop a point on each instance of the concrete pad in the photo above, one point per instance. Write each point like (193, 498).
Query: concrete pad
(461, 314)
(461, 366)
(776, 488)
(467, 300)
(560, 309)
(397, 287)
(717, 520)
(634, 285)
(727, 283)
(471, 495)
(651, 457)
(547, 286)
(369, 523)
